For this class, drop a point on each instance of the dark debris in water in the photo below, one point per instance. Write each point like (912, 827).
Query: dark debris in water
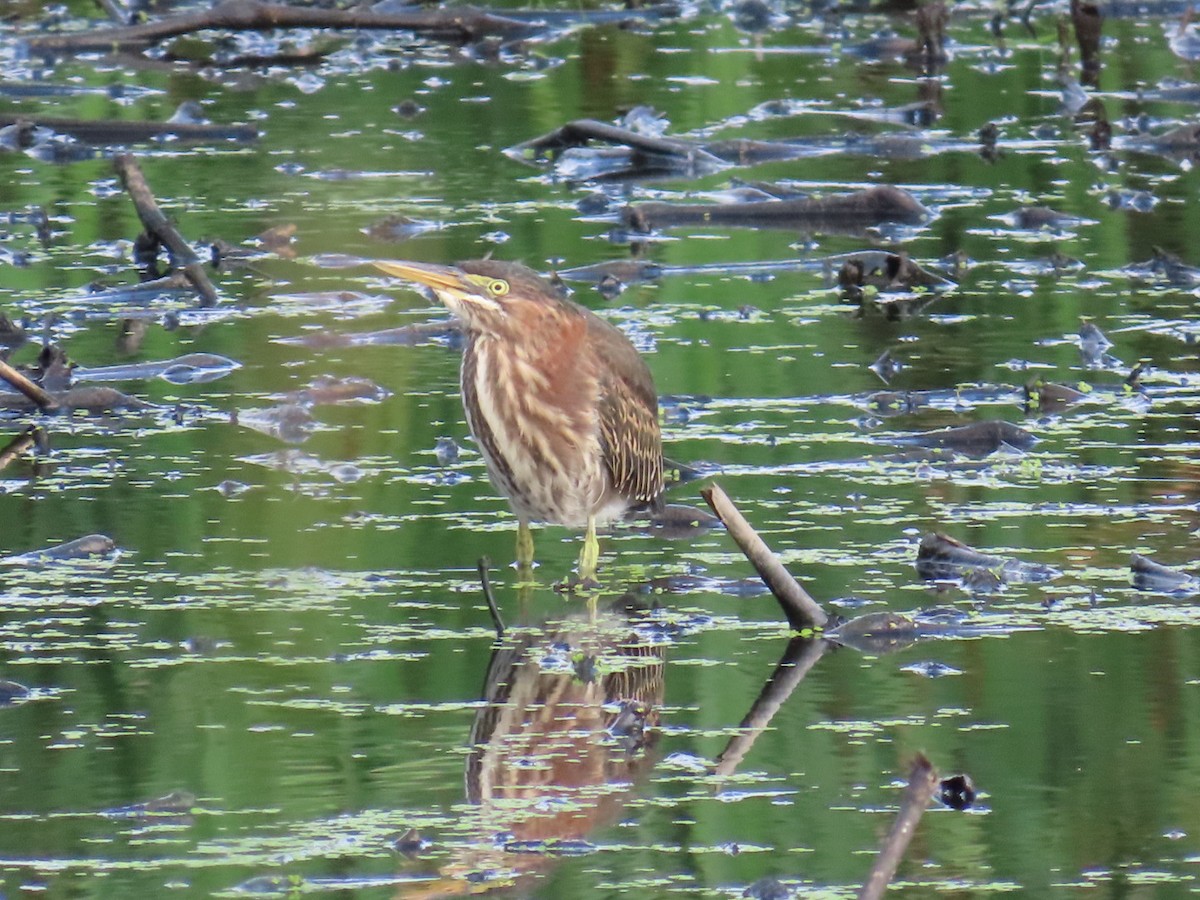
(1154, 577)
(943, 558)
(957, 792)
(976, 440)
(92, 546)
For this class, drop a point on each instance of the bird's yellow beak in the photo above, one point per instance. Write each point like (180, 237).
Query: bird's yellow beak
(440, 278)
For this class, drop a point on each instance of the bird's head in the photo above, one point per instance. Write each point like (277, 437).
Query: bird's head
(488, 295)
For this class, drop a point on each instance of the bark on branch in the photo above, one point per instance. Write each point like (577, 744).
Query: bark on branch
(922, 782)
(802, 611)
(158, 226)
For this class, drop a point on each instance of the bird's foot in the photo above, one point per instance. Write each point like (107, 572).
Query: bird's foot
(576, 584)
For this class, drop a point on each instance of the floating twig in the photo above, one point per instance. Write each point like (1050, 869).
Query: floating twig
(802, 611)
(922, 782)
(44, 401)
(488, 595)
(159, 227)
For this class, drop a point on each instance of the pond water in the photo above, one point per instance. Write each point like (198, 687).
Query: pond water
(285, 678)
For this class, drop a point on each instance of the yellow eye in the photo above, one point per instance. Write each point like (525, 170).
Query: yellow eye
(497, 287)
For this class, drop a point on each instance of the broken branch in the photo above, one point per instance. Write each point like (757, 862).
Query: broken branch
(802, 611)
(160, 227)
(35, 393)
(922, 782)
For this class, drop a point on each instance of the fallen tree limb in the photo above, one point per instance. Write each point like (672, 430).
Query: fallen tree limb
(802, 611)
(44, 401)
(463, 24)
(118, 132)
(872, 206)
(922, 782)
(582, 131)
(158, 226)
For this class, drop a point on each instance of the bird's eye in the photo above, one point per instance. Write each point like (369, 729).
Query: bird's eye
(498, 287)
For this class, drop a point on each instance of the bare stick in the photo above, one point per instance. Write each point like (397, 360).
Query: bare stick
(797, 661)
(801, 609)
(159, 226)
(462, 24)
(922, 782)
(489, 596)
(35, 393)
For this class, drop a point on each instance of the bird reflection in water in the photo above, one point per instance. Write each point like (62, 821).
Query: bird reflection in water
(567, 729)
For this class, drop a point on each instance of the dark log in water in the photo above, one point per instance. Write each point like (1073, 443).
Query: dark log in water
(460, 24)
(1151, 576)
(80, 548)
(581, 132)
(113, 131)
(159, 227)
(942, 557)
(872, 206)
(976, 439)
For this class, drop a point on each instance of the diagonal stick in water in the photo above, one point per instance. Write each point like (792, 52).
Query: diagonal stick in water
(922, 782)
(802, 611)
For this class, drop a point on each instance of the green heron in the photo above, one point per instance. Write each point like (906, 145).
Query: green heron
(560, 403)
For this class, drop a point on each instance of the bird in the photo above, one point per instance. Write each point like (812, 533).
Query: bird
(561, 405)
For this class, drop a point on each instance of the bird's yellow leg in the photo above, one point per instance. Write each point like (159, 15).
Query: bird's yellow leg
(524, 552)
(589, 556)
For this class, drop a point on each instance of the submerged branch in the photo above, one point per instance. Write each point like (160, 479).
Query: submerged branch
(802, 611)
(922, 782)
(159, 227)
